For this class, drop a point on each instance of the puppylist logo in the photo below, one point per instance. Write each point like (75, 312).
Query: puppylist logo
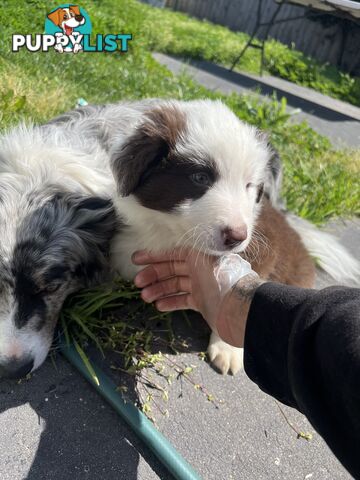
(67, 30)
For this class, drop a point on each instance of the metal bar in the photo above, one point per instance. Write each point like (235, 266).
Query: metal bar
(267, 34)
(247, 45)
(141, 425)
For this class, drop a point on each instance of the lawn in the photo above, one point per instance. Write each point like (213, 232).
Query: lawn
(320, 183)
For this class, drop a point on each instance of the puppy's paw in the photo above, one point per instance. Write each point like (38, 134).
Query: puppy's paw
(224, 357)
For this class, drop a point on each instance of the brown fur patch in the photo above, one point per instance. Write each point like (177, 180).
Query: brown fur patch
(277, 253)
(166, 122)
(169, 185)
(152, 141)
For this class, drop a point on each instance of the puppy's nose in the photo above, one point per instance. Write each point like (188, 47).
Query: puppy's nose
(234, 236)
(15, 368)
(79, 18)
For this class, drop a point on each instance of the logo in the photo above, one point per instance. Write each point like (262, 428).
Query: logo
(67, 30)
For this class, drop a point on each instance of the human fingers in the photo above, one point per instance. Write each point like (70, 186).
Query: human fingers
(170, 286)
(144, 257)
(160, 271)
(176, 302)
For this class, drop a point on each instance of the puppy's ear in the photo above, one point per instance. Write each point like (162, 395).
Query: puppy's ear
(93, 222)
(273, 181)
(151, 143)
(90, 218)
(75, 9)
(94, 219)
(56, 16)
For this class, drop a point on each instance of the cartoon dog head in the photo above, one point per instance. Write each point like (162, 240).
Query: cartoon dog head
(67, 18)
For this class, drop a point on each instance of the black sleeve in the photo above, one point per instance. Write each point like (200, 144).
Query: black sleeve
(303, 348)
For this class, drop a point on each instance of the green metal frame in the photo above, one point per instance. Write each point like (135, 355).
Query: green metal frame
(161, 447)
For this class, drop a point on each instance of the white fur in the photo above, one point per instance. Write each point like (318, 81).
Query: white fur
(24, 343)
(223, 356)
(330, 255)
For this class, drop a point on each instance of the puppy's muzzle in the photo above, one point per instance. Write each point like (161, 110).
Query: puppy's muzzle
(16, 368)
(233, 237)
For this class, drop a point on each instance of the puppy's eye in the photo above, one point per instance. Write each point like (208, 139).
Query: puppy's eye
(201, 178)
(259, 190)
(52, 288)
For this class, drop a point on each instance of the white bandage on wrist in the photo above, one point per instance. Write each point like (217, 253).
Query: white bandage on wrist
(229, 269)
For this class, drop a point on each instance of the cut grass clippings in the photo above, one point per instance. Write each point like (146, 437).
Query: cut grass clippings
(114, 318)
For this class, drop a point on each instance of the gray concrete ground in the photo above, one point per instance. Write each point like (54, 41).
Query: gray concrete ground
(337, 120)
(55, 427)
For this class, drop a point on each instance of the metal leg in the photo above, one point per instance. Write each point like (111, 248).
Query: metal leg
(249, 42)
(267, 31)
(259, 24)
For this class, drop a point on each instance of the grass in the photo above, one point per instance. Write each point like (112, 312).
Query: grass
(320, 182)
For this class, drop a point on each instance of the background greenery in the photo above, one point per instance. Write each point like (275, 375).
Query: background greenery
(180, 35)
(319, 182)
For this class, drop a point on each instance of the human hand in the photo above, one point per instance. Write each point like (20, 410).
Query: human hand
(179, 280)
(185, 279)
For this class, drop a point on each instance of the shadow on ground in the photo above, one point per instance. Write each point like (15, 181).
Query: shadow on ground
(264, 88)
(55, 426)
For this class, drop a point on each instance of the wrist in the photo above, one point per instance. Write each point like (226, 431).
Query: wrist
(234, 310)
(246, 287)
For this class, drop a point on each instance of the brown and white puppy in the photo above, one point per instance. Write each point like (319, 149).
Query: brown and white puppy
(192, 174)
(184, 174)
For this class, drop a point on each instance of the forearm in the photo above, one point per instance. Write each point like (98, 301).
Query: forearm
(303, 348)
(269, 324)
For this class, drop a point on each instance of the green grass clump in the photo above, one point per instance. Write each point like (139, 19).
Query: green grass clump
(114, 318)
